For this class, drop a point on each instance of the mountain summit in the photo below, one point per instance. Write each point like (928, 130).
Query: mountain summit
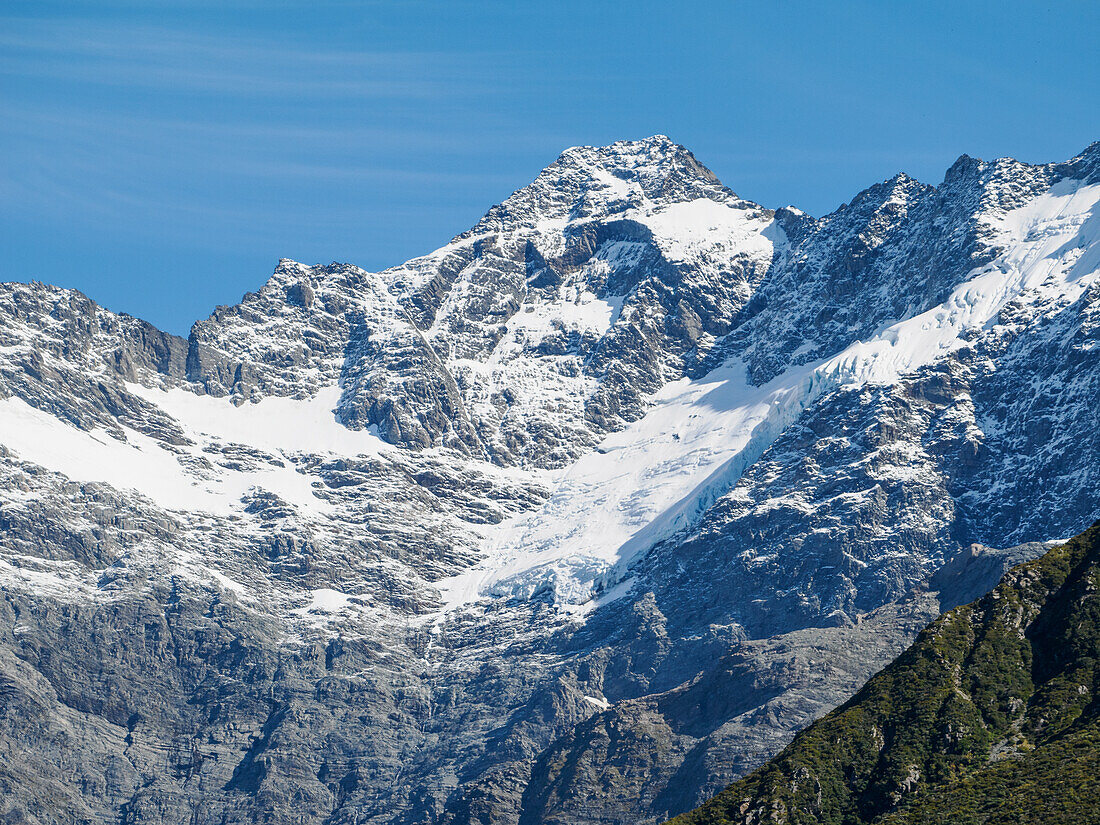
(596, 182)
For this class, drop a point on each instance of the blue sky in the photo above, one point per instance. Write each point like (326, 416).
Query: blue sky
(161, 156)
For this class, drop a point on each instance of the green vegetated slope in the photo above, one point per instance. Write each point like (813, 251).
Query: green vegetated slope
(991, 717)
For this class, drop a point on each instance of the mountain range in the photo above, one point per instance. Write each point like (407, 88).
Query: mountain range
(576, 519)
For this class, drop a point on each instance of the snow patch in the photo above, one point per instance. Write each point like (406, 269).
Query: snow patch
(279, 427)
(684, 230)
(274, 424)
(326, 600)
(602, 704)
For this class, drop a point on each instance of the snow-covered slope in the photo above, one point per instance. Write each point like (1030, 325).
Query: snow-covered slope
(590, 453)
(660, 473)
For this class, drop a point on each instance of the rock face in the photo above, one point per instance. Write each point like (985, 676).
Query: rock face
(989, 717)
(573, 520)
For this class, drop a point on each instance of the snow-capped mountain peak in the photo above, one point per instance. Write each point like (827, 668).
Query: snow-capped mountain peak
(585, 458)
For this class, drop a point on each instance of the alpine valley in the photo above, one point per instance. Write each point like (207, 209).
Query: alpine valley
(573, 521)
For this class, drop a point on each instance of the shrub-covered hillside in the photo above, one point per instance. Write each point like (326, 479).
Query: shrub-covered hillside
(991, 717)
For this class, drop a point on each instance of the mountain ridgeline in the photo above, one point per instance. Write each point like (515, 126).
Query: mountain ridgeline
(574, 520)
(992, 717)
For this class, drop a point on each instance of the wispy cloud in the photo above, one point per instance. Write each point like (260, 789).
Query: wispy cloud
(333, 134)
(115, 120)
(178, 61)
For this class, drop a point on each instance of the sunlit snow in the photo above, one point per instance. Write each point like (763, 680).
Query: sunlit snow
(279, 426)
(657, 475)
(645, 482)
